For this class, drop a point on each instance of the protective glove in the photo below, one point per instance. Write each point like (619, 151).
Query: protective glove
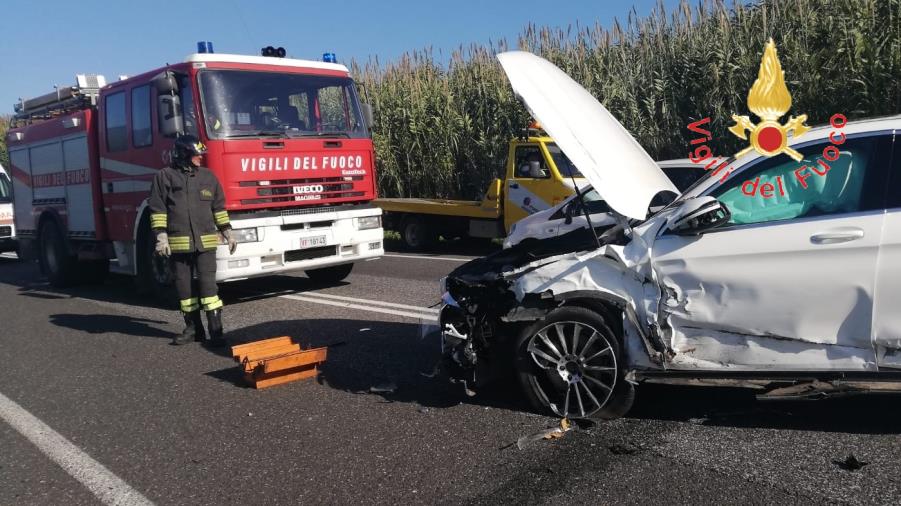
(162, 244)
(232, 243)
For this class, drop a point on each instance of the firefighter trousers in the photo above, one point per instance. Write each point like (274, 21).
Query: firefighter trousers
(201, 293)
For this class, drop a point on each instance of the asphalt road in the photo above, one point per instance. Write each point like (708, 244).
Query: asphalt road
(176, 426)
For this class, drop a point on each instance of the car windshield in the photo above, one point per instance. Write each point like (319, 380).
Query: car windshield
(5, 191)
(564, 165)
(238, 103)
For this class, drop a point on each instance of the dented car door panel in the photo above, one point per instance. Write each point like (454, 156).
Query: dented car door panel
(763, 296)
(886, 314)
(791, 285)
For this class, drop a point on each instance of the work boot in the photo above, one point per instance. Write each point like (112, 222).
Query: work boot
(191, 325)
(199, 334)
(214, 323)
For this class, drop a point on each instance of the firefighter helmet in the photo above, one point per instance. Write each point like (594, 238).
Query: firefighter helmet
(186, 148)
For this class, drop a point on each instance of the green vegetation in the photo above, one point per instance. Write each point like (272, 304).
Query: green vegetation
(443, 131)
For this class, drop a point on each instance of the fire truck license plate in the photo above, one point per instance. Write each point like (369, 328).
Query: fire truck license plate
(312, 242)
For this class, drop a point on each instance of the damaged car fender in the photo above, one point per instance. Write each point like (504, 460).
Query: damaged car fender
(588, 278)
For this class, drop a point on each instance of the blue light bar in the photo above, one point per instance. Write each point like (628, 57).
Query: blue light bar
(204, 47)
(329, 58)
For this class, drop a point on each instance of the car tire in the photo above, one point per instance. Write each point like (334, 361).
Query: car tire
(417, 234)
(333, 274)
(54, 260)
(570, 364)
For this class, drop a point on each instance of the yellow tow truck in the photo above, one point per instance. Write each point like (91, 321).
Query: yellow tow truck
(538, 176)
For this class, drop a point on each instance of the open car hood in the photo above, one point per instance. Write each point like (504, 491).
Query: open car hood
(602, 149)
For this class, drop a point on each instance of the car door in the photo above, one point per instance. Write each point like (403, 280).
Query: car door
(788, 283)
(887, 314)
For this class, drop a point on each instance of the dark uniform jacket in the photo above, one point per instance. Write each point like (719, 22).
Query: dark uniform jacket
(190, 207)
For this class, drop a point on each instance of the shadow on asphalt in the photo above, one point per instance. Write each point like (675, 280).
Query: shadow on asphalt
(389, 360)
(390, 356)
(102, 324)
(121, 289)
(733, 407)
(385, 359)
(466, 247)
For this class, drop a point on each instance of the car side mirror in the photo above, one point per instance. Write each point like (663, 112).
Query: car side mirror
(570, 210)
(698, 215)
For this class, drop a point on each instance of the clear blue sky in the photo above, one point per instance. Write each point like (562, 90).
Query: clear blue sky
(47, 42)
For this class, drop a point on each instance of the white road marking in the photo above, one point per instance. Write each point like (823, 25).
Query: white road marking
(11, 256)
(409, 314)
(108, 487)
(372, 302)
(448, 259)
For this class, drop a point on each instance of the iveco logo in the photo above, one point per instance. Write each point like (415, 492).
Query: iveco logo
(310, 188)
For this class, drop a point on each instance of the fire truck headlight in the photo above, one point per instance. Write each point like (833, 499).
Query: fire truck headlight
(369, 222)
(243, 235)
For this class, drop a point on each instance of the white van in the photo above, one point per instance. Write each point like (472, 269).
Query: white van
(7, 227)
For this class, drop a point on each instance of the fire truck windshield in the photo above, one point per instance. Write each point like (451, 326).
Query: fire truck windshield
(239, 103)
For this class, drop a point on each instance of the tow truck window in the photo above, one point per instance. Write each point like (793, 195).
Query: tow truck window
(5, 190)
(116, 134)
(525, 155)
(238, 103)
(141, 133)
(564, 165)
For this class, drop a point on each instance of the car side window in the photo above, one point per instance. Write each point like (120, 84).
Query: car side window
(526, 158)
(834, 181)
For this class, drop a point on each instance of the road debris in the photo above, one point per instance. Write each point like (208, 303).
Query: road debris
(553, 433)
(850, 463)
(383, 388)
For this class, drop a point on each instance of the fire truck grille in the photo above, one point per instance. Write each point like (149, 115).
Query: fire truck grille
(6, 231)
(302, 198)
(312, 210)
(318, 188)
(315, 180)
(310, 253)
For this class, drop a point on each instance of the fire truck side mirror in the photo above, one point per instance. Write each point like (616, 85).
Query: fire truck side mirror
(166, 83)
(172, 122)
(367, 115)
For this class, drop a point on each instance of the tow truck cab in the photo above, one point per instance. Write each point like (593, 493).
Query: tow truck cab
(7, 225)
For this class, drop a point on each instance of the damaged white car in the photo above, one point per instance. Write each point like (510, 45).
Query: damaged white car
(784, 277)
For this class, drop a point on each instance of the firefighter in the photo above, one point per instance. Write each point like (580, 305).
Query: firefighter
(187, 207)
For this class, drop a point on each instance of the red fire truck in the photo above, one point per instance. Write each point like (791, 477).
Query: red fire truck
(288, 139)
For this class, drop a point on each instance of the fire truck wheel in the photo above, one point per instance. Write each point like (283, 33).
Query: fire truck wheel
(332, 274)
(55, 262)
(418, 234)
(94, 271)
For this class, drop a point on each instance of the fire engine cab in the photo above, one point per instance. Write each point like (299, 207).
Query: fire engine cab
(288, 140)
